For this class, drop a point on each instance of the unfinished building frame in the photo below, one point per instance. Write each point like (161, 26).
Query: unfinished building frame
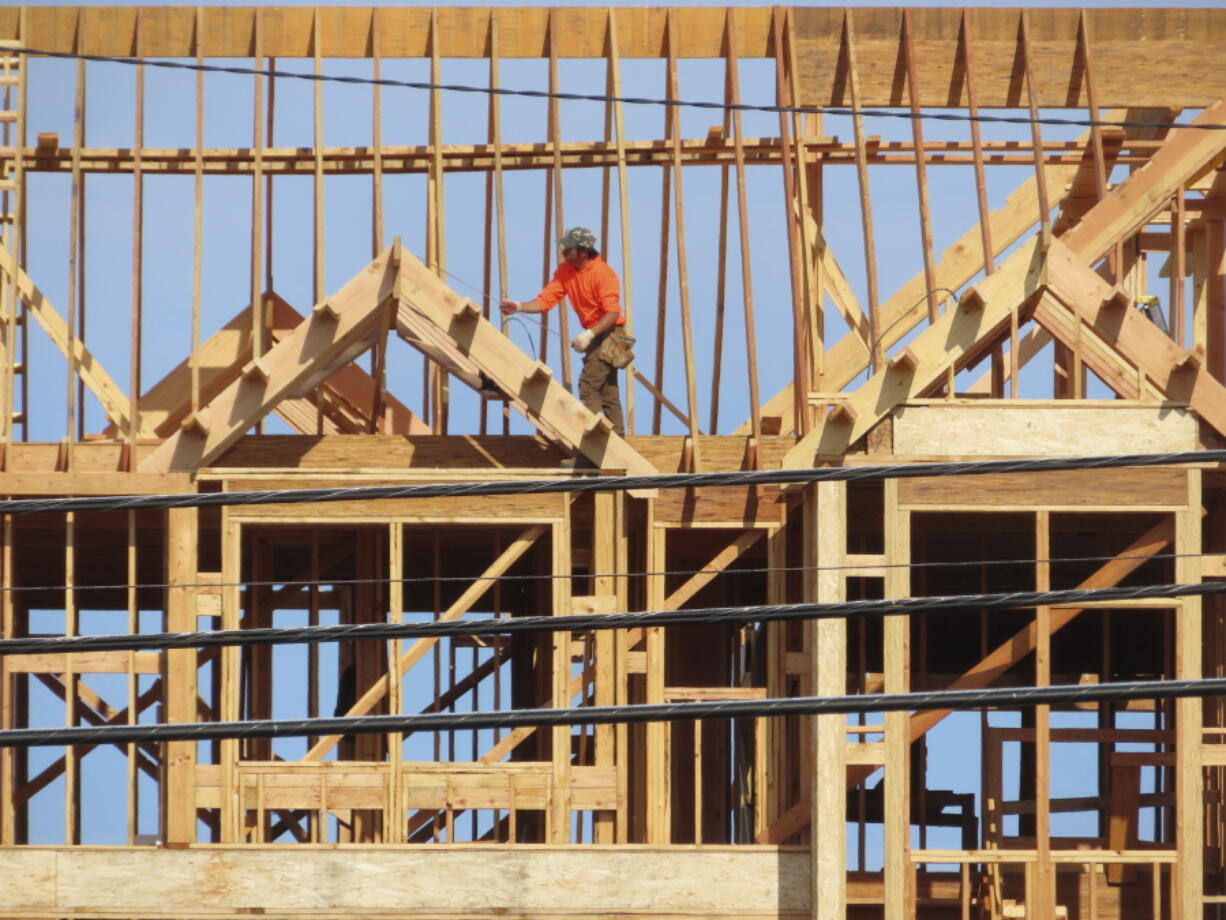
(820, 816)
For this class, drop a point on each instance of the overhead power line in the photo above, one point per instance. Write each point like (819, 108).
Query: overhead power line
(957, 700)
(730, 570)
(597, 97)
(502, 626)
(601, 483)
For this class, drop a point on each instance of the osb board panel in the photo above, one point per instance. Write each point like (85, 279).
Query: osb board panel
(470, 507)
(53, 483)
(373, 451)
(1149, 488)
(1177, 46)
(970, 431)
(463, 32)
(87, 457)
(359, 880)
(716, 453)
(722, 504)
(1139, 56)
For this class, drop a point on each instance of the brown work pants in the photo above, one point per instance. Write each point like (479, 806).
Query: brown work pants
(598, 387)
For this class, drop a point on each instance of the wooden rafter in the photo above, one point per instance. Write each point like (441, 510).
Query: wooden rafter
(111, 396)
(345, 397)
(906, 308)
(950, 341)
(340, 328)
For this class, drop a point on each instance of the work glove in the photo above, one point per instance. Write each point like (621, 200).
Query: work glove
(580, 342)
(509, 306)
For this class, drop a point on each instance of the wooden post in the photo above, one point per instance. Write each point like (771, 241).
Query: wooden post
(921, 173)
(1044, 907)
(801, 382)
(258, 337)
(733, 95)
(1214, 262)
(394, 821)
(179, 676)
(981, 185)
(1188, 889)
(809, 208)
(75, 256)
(436, 233)
(877, 351)
(138, 244)
(828, 668)
(376, 128)
(198, 214)
(659, 814)
(72, 685)
(318, 287)
(555, 188)
(228, 689)
(623, 212)
(897, 657)
(683, 282)
(8, 692)
(558, 820)
(604, 564)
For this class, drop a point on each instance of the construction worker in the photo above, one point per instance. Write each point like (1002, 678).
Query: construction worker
(595, 293)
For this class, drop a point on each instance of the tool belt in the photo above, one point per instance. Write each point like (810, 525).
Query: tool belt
(615, 348)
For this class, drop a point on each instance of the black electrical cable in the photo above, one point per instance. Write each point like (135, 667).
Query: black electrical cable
(509, 626)
(958, 700)
(596, 97)
(655, 573)
(601, 483)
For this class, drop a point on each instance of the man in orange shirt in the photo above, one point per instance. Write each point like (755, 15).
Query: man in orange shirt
(595, 293)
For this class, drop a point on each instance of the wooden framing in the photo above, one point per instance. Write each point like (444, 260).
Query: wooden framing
(767, 819)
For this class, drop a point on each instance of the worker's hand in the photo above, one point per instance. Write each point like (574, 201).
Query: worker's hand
(580, 342)
(508, 307)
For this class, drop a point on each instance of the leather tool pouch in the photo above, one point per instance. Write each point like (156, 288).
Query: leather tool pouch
(617, 349)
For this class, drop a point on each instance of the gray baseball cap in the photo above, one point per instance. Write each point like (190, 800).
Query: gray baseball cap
(578, 238)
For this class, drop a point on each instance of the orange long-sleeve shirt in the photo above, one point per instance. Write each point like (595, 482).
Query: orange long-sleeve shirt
(594, 292)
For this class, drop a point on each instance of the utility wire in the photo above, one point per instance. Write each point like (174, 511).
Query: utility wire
(602, 483)
(504, 626)
(470, 579)
(958, 700)
(597, 97)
